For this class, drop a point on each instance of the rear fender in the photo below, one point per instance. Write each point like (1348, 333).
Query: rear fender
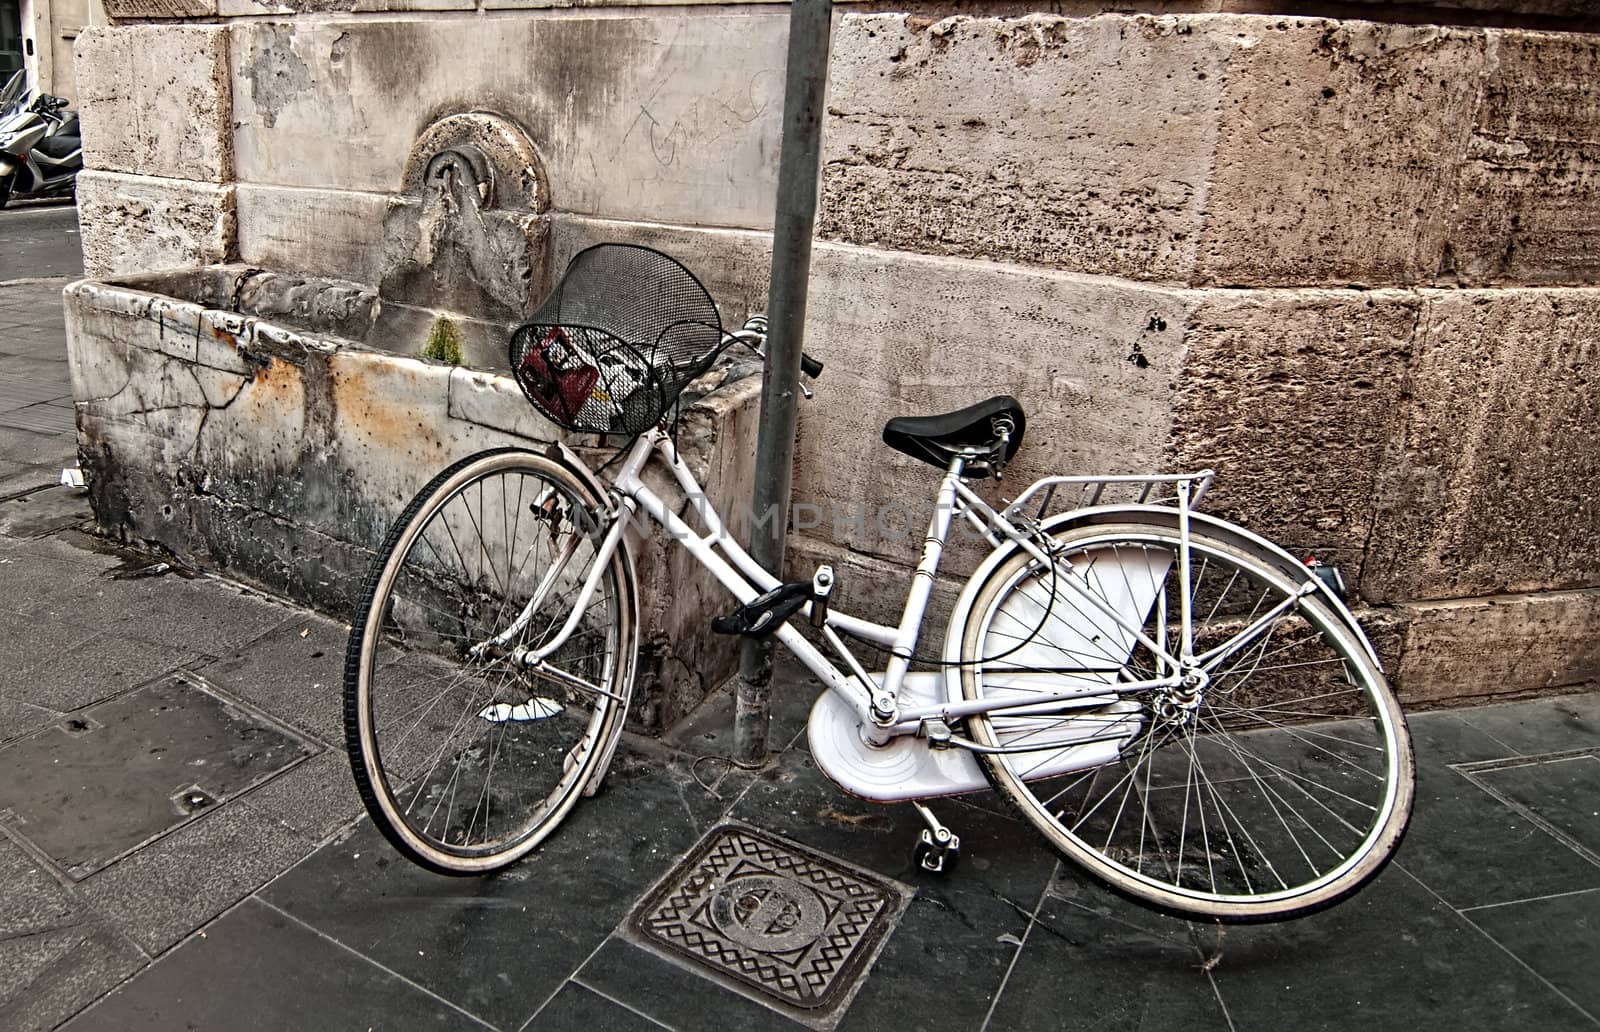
(1230, 533)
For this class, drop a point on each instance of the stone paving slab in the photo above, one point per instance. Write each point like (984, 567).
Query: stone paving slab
(1428, 967)
(41, 240)
(296, 668)
(578, 1006)
(20, 477)
(205, 615)
(471, 941)
(116, 775)
(1463, 843)
(51, 508)
(1094, 961)
(19, 390)
(56, 955)
(28, 448)
(1542, 725)
(178, 883)
(1555, 937)
(47, 417)
(259, 968)
(94, 669)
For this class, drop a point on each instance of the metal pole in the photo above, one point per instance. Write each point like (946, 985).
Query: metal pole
(810, 28)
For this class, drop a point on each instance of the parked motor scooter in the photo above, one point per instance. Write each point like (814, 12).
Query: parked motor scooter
(41, 149)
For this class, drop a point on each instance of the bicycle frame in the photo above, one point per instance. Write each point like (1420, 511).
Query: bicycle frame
(875, 702)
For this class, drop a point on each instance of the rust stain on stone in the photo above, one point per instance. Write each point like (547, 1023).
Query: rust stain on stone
(277, 377)
(368, 405)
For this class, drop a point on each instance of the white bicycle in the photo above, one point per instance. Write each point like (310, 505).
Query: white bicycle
(1180, 707)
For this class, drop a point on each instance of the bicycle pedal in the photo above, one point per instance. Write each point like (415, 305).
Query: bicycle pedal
(936, 856)
(764, 614)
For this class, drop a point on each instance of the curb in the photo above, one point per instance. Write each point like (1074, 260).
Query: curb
(27, 281)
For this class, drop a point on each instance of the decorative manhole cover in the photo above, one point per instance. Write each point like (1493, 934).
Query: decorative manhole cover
(798, 927)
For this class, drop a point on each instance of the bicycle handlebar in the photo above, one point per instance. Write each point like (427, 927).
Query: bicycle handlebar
(754, 336)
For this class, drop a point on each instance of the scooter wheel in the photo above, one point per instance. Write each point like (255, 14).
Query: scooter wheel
(5, 190)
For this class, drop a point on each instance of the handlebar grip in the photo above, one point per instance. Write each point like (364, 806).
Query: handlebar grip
(810, 366)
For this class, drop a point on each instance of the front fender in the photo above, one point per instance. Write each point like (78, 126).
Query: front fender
(8, 165)
(559, 453)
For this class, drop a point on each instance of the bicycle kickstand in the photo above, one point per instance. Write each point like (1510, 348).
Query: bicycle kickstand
(938, 848)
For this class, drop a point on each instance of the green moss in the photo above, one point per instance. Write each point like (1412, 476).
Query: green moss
(444, 341)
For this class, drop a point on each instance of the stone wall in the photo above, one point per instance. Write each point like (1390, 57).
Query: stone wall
(1352, 264)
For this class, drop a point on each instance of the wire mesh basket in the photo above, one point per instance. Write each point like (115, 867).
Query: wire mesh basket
(613, 346)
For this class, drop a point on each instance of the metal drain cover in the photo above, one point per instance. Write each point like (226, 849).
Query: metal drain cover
(797, 927)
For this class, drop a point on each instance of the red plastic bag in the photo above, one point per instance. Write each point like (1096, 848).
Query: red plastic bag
(557, 377)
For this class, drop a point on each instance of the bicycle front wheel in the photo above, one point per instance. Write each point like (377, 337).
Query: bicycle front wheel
(1274, 786)
(465, 758)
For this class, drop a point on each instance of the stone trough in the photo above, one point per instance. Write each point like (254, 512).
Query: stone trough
(250, 422)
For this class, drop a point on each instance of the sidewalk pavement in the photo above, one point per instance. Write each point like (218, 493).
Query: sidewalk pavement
(36, 422)
(40, 239)
(181, 847)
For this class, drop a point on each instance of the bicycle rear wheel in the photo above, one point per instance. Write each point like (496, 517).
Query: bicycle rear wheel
(466, 759)
(1277, 788)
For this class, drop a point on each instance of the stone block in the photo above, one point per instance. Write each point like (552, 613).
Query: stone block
(1488, 483)
(138, 224)
(640, 116)
(439, 253)
(870, 588)
(1542, 8)
(1293, 397)
(317, 232)
(521, 5)
(414, 5)
(1469, 649)
(1527, 204)
(1094, 363)
(156, 101)
(497, 402)
(129, 9)
(1084, 144)
(679, 662)
(735, 265)
(247, 8)
(405, 329)
(1336, 156)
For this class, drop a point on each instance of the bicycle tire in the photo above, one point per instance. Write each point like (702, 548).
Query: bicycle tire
(1345, 751)
(421, 611)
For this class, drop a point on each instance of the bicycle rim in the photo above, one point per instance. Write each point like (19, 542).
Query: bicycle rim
(1278, 788)
(464, 757)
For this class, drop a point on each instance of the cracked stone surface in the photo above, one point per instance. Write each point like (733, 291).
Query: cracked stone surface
(283, 456)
